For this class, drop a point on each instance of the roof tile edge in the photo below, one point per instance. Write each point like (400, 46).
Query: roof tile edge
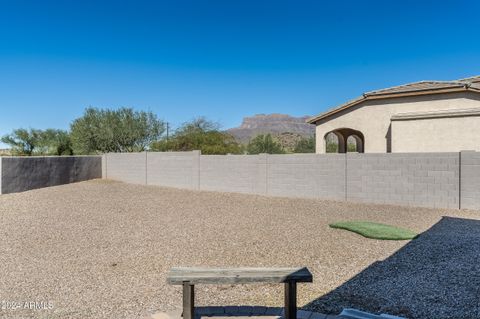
(450, 86)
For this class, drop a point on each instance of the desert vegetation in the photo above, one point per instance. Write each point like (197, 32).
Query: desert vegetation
(199, 134)
(100, 131)
(121, 130)
(39, 142)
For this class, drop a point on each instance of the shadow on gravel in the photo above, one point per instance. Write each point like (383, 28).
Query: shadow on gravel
(238, 311)
(436, 275)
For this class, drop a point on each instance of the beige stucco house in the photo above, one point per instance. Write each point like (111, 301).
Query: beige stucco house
(426, 116)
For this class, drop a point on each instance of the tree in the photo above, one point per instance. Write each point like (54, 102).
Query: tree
(200, 134)
(23, 141)
(121, 130)
(332, 147)
(264, 144)
(54, 142)
(305, 145)
(39, 142)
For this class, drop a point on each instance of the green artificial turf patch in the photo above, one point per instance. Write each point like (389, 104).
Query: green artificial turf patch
(376, 230)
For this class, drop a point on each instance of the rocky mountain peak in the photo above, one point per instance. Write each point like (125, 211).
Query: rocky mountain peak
(272, 123)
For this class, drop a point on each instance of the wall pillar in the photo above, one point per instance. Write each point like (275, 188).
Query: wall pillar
(1, 175)
(196, 169)
(104, 166)
(469, 180)
(342, 142)
(263, 173)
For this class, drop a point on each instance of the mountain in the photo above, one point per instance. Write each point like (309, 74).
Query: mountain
(275, 124)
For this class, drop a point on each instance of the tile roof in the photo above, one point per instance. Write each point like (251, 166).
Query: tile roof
(415, 88)
(427, 85)
(472, 79)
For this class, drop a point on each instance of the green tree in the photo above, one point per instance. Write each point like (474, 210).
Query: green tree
(331, 141)
(351, 147)
(305, 145)
(264, 144)
(121, 130)
(39, 142)
(23, 141)
(54, 142)
(200, 134)
(332, 147)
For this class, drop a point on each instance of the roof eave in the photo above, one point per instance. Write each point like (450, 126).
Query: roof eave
(367, 97)
(331, 112)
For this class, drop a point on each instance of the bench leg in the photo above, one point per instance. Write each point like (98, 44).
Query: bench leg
(291, 300)
(188, 301)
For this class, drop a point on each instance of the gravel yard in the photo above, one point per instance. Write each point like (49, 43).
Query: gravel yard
(101, 249)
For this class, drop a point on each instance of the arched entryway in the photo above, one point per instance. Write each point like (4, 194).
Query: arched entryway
(346, 140)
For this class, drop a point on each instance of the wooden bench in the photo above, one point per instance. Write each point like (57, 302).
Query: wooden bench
(189, 277)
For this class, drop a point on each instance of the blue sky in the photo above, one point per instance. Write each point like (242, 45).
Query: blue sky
(221, 59)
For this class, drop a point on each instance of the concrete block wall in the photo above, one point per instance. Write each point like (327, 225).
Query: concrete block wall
(18, 174)
(443, 180)
(470, 180)
(234, 173)
(1, 159)
(414, 179)
(104, 166)
(173, 169)
(306, 175)
(126, 167)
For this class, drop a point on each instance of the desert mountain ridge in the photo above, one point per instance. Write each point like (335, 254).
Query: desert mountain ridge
(274, 124)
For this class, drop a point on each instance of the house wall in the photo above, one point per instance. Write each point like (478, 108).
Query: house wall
(452, 134)
(372, 117)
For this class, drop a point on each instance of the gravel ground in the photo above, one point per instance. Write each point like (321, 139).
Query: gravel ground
(434, 276)
(101, 249)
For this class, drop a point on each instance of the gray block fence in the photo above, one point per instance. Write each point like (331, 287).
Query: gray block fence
(442, 180)
(470, 180)
(19, 174)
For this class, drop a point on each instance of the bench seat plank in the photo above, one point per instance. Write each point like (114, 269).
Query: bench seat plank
(194, 275)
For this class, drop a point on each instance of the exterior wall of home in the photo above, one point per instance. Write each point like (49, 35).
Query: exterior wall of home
(372, 117)
(18, 174)
(446, 134)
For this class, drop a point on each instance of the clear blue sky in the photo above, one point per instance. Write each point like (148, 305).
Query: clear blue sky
(222, 59)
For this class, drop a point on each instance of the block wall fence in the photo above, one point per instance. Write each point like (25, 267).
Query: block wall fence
(18, 174)
(441, 180)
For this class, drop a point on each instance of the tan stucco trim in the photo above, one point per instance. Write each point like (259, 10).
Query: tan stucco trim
(367, 97)
(435, 114)
(313, 120)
